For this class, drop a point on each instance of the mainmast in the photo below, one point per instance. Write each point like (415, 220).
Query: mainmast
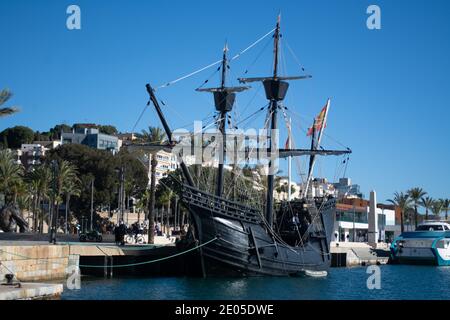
(275, 86)
(224, 100)
(276, 90)
(222, 128)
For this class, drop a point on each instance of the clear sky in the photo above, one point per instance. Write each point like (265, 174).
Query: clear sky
(389, 87)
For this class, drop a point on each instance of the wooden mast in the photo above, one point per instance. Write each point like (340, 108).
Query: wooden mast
(166, 127)
(224, 100)
(273, 109)
(222, 128)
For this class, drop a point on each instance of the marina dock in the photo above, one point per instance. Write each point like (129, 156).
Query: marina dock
(348, 254)
(41, 261)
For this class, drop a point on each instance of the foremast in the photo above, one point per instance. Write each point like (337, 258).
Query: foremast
(224, 98)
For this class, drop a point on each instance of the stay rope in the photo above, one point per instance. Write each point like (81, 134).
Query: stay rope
(215, 63)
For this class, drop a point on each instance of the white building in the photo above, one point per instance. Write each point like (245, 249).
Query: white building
(166, 162)
(281, 192)
(359, 220)
(31, 154)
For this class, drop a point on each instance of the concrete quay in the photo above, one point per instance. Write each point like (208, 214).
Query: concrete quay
(348, 254)
(31, 291)
(31, 261)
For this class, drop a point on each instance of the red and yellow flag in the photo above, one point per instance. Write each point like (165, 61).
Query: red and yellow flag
(319, 121)
(286, 145)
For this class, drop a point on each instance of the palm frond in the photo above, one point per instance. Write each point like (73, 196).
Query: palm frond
(5, 95)
(8, 111)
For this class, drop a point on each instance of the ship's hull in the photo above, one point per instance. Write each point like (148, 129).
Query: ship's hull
(243, 247)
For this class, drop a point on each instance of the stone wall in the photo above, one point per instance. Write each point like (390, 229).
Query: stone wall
(35, 262)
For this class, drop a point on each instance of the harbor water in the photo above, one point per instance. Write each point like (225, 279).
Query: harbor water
(397, 282)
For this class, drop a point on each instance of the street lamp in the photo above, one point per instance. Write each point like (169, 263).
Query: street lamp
(53, 214)
(92, 201)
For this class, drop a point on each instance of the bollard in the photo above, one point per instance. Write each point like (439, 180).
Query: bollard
(9, 278)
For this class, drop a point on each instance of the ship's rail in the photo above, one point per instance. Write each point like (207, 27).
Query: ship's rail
(220, 206)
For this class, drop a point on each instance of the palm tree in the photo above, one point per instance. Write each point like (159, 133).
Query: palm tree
(416, 194)
(165, 199)
(65, 177)
(427, 203)
(437, 206)
(446, 207)
(403, 202)
(10, 175)
(71, 188)
(5, 95)
(154, 135)
(142, 203)
(39, 180)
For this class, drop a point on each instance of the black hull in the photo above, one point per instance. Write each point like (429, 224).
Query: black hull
(245, 247)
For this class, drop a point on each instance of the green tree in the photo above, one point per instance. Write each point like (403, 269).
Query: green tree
(165, 199)
(13, 138)
(437, 207)
(416, 194)
(55, 132)
(142, 203)
(103, 166)
(427, 203)
(108, 129)
(71, 188)
(42, 136)
(446, 208)
(39, 180)
(153, 135)
(403, 202)
(11, 174)
(66, 179)
(5, 95)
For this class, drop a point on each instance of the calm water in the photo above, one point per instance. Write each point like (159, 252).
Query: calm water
(397, 282)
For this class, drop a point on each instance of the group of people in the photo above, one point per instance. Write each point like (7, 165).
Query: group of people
(122, 229)
(300, 224)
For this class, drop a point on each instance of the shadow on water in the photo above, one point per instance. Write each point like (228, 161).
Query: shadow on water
(397, 283)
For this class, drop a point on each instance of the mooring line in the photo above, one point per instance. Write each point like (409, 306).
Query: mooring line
(121, 265)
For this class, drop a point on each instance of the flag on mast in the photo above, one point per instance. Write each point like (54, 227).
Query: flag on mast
(319, 121)
(286, 145)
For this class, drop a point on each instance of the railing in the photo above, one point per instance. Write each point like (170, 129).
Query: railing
(219, 205)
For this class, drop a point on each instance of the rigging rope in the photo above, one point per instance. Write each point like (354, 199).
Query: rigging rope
(215, 63)
(139, 119)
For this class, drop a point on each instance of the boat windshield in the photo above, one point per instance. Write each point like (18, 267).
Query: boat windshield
(436, 227)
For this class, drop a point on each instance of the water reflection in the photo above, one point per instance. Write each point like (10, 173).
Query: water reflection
(397, 282)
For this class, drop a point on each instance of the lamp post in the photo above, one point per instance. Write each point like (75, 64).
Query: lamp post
(53, 214)
(92, 202)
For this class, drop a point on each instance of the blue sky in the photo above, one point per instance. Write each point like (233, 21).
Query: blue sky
(389, 87)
